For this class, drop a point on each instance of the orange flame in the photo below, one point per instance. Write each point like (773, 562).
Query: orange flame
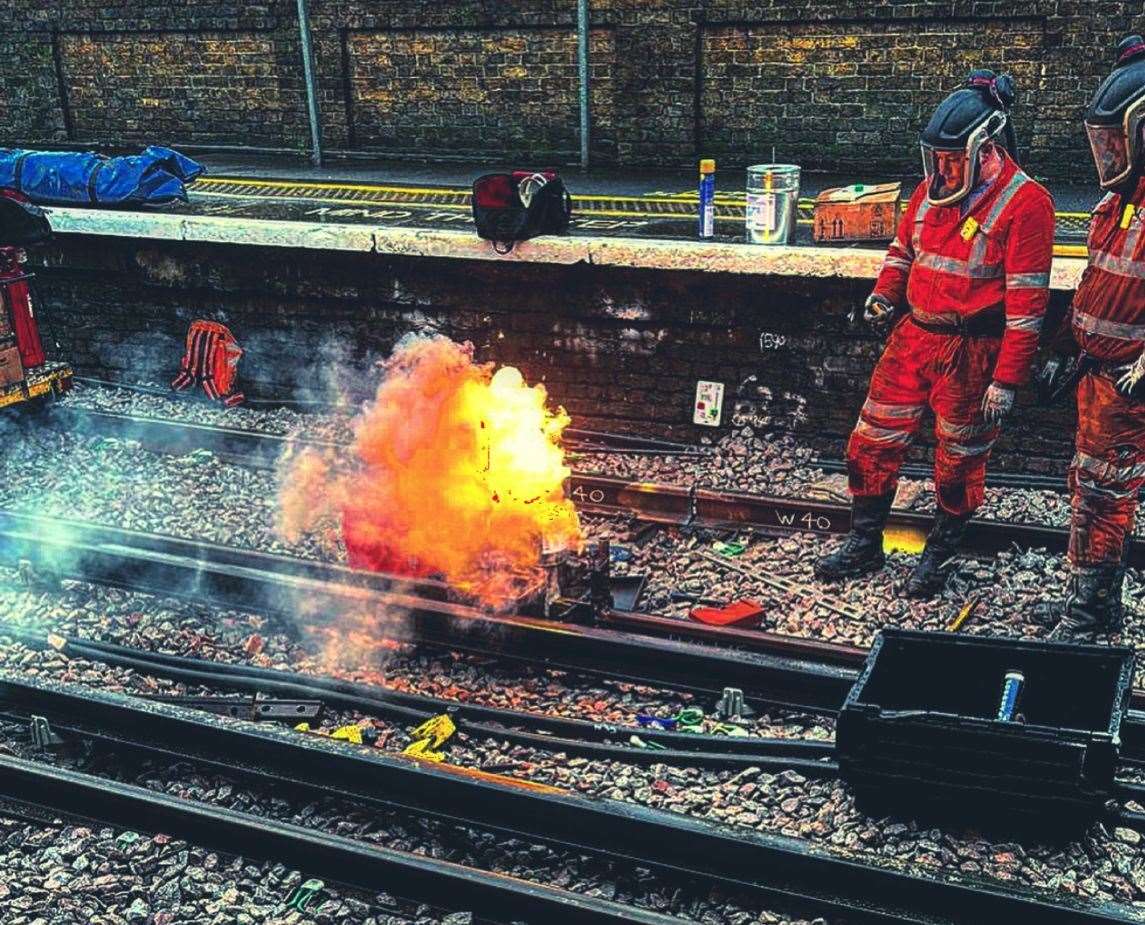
(458, 471)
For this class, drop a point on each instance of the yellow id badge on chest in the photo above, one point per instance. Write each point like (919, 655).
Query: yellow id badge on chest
(969, 228)
(1127, 215)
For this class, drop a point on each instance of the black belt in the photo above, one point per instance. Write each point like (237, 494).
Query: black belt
(984, 324)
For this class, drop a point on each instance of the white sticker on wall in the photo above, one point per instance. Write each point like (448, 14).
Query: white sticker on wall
(709, 403)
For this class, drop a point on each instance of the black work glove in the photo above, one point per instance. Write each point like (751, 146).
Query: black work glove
(1059, 373)
(1129, 379)
(878, 312)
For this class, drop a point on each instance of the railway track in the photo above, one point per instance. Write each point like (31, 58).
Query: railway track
(253, 581)
(787, 672)
(680, 505)
(769, 868)
(646, 648)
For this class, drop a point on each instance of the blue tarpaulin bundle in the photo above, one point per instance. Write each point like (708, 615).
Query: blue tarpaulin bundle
(156, 176)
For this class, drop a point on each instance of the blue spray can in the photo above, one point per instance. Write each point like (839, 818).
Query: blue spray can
(707, 198)
(1011, 693)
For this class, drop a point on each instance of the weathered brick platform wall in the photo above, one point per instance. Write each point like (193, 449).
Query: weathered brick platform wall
(620, 348)
(830, 85)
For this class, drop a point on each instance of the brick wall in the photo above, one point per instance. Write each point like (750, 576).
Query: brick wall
(829, 84)
(621, 349)
(409, 89)
(119, 86)
(843, 91)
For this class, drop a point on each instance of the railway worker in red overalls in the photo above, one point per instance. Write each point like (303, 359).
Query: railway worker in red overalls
(964, 287)
(1108, 323)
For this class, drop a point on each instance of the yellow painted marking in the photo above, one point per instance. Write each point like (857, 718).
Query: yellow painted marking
(315, 184)
(348, 202)
(1071, 250)
(305, 191)
(904, 539)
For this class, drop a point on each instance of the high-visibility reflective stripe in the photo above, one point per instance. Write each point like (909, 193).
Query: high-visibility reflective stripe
(916, 237)
(900, 263)
(884, 435)
(1108, 472)
(1118, 265)
(1017, 181)
(878, 409)
(1027, 280)
(961, 449)
(976, 266)
(1024, 323)
(1009, 191)
(953, 431)
(957, 267)
(1110, 491)
(1088, 324)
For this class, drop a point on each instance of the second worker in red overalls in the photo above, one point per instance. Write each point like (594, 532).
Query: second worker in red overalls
(965, 285)
(1108, 323)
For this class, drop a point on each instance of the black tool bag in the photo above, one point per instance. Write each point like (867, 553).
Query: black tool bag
(511, 207)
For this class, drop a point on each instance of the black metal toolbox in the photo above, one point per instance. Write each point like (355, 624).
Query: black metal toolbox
(919, 733)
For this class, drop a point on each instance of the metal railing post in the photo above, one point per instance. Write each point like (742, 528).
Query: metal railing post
(311, 86)
(582, 67)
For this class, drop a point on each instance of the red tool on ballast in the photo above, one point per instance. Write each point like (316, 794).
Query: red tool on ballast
(25, 371)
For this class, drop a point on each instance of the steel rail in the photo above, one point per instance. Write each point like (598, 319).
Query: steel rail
(308, 404)
(789, 672)
(250, 448)
(418, 706)
(701, 507)
(595, 650)
(156, 431)
(1022, 480)
(769, 867)
(595, 740)
(808, 757)
(658, 503)
(331, 857)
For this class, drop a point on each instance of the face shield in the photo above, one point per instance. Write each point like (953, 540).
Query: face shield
(1116, 148)
(952, 172)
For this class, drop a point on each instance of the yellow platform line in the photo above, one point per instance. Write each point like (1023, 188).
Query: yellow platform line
(437, 190)
(1060, 250)
(681, 199)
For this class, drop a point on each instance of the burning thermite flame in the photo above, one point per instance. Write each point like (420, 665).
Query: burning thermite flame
(457, 470)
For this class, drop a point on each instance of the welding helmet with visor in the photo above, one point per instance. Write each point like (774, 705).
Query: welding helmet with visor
(955, 135)
(1114, 117)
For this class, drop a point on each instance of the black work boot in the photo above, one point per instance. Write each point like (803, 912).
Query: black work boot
(1093, 605)
(930, 574)
(862, 550)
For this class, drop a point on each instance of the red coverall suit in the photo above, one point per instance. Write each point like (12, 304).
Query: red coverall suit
(992, 262)
(1108, 468)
